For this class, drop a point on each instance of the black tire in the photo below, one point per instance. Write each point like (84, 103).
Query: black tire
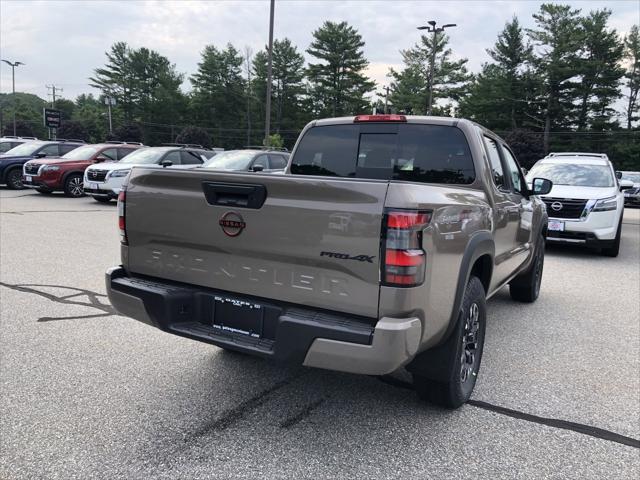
(461, 353)
(44, 191)
(73, 186)
(14, 179)
(526, 286)
(102, 199)
(614, 249)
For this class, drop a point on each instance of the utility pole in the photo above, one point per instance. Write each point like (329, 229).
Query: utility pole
(267, 121)
(435, 30)
(13, 84)
(52, 131)
(247, 57)
(386, 98)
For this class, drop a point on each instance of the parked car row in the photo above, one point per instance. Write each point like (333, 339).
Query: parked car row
(100, 169)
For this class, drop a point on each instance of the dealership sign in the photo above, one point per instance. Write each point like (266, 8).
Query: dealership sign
(52, 118)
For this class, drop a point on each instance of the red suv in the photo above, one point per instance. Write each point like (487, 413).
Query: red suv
(66, 173)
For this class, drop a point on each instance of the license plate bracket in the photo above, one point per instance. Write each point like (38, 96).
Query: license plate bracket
(29, 178)
(556, 226)
(238, 316)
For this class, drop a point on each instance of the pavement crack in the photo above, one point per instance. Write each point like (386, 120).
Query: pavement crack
(561, 424)
(584, 429)
(301, 415)
(92, 299)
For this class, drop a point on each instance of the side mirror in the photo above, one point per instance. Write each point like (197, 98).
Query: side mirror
(625, 185)
(166, 163)
(101, 158)
(618, 174)
(40, 155)
(257, 168)
(541, 186)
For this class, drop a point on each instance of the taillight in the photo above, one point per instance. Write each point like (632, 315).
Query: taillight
(122, 225)
(379, 118)
(404, 259)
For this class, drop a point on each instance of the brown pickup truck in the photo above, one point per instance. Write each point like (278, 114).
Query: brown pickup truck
(376, 250)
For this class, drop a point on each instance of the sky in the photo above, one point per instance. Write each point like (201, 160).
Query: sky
(62, 42)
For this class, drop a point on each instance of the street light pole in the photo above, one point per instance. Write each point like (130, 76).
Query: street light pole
(267, 121)
(13, 82)
(435, 30)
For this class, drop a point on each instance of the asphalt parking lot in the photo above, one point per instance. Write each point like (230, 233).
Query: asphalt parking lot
(88, 394)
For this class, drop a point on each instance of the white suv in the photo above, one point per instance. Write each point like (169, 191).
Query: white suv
(585, 205)
(104, 181)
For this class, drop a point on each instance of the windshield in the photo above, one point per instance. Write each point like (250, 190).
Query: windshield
(573, 174)
(82, 153)
(231, 160)
(26, 149)
(144, 156)
(631, 176)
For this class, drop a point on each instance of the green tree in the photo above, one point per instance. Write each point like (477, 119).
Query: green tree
(194, 135)
(28, 108)
(72, 129)
(66, 108)
(527, 145)
(504, 95)
(338, 80)
(92, 113)
(600, 71)
(287, 88)
(558, 38)
(218, 98)
(23, 129)
(410, 87)
(632, 74)
(146, 86)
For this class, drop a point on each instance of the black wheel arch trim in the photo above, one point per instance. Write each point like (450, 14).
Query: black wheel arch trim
(481, 243)
(68, 174)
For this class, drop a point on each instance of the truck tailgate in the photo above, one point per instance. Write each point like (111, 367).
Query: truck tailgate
(304, 240)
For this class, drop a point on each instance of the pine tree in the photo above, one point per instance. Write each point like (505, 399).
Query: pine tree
(218, 97)
(600, 71)
(410, 87)
(632, 74)
(339, 80)
(559, 39)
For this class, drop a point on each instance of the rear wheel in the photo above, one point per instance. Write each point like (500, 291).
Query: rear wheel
(14, 179)
(526, 286)
(614, 249)
(73, 186)
(461, 353)
(102, 199)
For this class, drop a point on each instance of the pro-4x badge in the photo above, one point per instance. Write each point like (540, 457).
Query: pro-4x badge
(346, 256)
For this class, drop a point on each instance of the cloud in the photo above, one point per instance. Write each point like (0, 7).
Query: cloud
(62, 42)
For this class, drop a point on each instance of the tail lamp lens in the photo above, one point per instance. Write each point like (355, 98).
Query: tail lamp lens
(404, 259)
(122, 225)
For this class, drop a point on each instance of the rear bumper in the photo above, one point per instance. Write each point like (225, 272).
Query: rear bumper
(290, 334)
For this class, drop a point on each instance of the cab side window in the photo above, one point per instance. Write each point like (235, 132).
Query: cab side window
(277, 161)
(191, 158)
(261, 160)
(514, 169)
(497, 173)
(67, 148)
(110, 153)
(173, 157)
(123, 152)
(51, 150)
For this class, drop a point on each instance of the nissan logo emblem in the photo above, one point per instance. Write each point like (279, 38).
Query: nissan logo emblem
(232, 224)
(557, 206)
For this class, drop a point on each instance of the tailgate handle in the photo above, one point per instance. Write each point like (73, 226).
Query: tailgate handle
(234, 194)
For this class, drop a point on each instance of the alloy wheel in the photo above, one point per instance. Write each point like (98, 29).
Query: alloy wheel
(75, 187)
(469, 342)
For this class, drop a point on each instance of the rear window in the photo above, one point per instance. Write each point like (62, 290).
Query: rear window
(416, 153)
